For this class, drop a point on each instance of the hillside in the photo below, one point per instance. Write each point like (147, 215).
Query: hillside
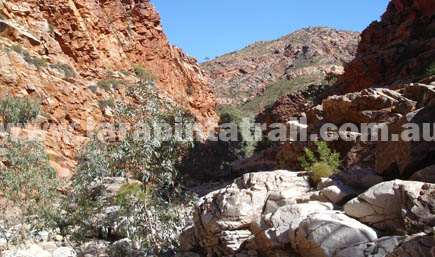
(239, 76)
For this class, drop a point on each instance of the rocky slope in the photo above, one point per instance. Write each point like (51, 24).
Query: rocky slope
(395, 50)
(58, 51)
(241, 75)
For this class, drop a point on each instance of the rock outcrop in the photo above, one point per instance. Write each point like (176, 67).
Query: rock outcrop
(57, 51)
(279, 214)
(396, 49)
(243, 74)
(396, 206)
(410, 146)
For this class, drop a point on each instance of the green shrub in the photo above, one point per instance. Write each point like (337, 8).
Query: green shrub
(152, 211)
(106, 103)
(189, 91)
(108, 84)
(324, 155)
(430, 70)
(67, 70)
(241, 148)
(142, 73)
(93, 88)
(320, 170)
(15, 110)
(331, 78)
(27, 182)
(126, 72)
(17, 49)
(38, 62)
(51, 28)
(109, 73)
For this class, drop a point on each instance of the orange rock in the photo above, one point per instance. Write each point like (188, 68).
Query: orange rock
(81, 40)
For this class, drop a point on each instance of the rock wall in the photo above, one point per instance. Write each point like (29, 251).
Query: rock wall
(396, 49)
(57, 51)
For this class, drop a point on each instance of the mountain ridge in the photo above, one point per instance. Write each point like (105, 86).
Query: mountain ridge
(241, 75)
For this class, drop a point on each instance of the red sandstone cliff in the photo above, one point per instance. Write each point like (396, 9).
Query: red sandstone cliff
(397, 49)
(54, 50)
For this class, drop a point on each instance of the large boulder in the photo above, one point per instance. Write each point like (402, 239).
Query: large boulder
(418, 207)
(425, 175)
(396, 206)
(401, 158)
(271, 230)
(416, 246)
(223, 218)
(369, 105)
(377, 248)
(380, 206)
(324, 233)
(363, 178)
(336, 191)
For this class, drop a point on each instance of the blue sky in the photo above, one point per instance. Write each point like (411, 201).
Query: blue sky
(210, 28)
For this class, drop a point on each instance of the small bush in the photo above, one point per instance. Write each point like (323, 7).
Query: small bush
(324, 154)
(27, 182)
(108, 84)
(430, 70)
(189, 91)
(126, 72)
(17, 49)
(51, 27)
(142, 73)
(67, 70)
(106, 103)
(109, 73)
(38, 62)
(15, 110)
(320, 170)
(93, 88)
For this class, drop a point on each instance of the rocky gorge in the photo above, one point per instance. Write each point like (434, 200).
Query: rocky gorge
(381, 203)
(73, 55)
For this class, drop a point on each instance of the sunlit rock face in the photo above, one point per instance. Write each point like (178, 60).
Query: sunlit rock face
(78, 43)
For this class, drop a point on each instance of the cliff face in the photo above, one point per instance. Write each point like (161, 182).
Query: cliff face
(57, 51)
(241, 75)
(397, 49)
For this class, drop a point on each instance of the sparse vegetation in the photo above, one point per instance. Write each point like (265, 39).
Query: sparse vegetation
(126, 72)
(106, 103)
(142, 73)
(93, 88)
(331, 78)
(430, 70)
(190, 91)
(275, 90)
(38, 62)
(28, 185)
(108, 84)
(109, 73)
(51, 27)
(151, 211)
(67, 70)
(17, 48)
(15, 110)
